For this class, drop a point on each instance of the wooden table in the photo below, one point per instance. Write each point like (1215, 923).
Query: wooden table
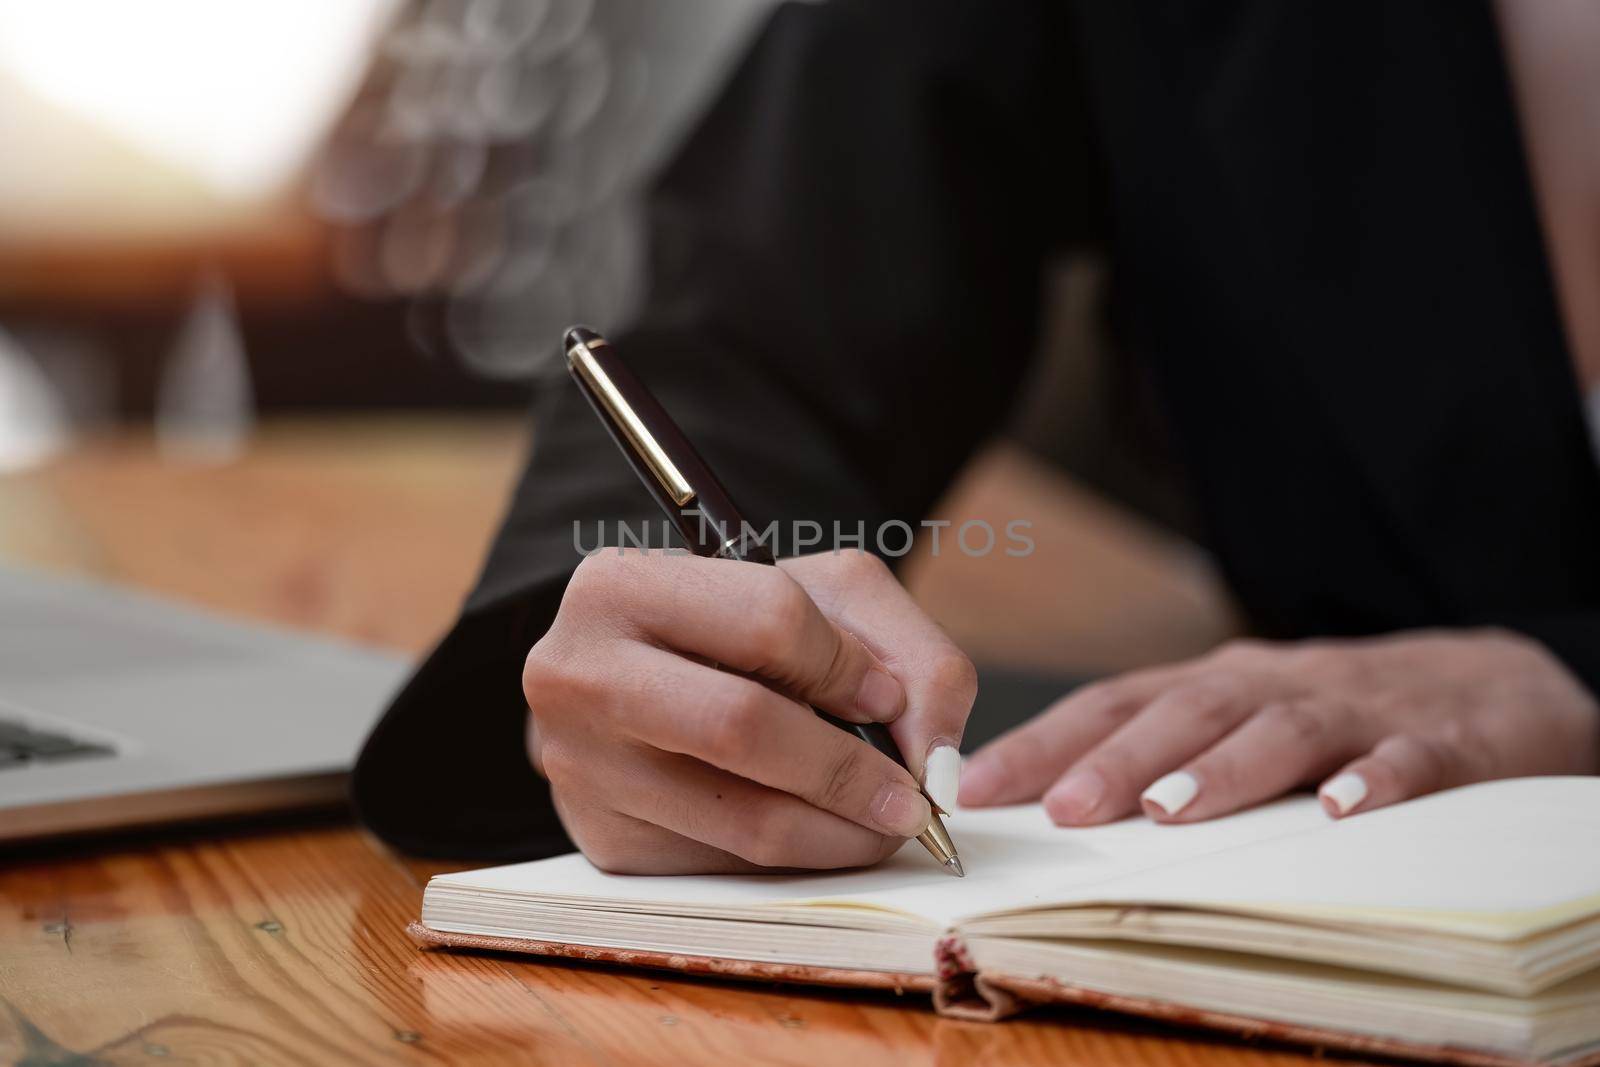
(284, 944)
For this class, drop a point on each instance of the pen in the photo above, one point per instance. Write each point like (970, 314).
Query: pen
(698, 506)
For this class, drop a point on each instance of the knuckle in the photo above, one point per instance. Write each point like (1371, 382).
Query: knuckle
(547, 680)
(559, 764)
(1465, 747)
(599, 590)
(1431, 758)
(536, 670)
(861, 565)
(768, 852)
(1297, 720)
(533, 744)
(1387, 704)
(1204, 703)
(858, 850)
(769, 838)
(952, 670)
(1114, 764)
(1102, 692)
(616, 862)
(1102, 700)
(845, 665)
(601, 855)
(1220, 773)
(1424, 753)
(882, 848)
(836, 787)
(779, 615)
(730, 726)
(609, 854)
(594, 574)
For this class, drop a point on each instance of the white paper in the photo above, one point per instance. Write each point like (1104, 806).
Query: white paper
(1485, 860)
(1488, 849)
(1014, 857)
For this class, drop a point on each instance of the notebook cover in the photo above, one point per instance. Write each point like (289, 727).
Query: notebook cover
(960, 991)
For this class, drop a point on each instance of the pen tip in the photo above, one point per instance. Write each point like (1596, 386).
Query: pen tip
(954, 863)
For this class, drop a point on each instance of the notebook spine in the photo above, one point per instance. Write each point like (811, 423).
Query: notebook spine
(962, 992)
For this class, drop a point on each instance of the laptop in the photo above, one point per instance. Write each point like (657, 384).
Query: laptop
(120, 710)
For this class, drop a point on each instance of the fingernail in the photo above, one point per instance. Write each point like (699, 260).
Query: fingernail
(901, 810)
(941, 776)
(1172, 792)
(1076, 798)
(880, 697)
(1346, 791)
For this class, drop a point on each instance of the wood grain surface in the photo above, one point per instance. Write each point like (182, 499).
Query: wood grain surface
(284, 944)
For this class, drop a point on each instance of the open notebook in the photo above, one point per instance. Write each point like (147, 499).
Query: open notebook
(1461, 926)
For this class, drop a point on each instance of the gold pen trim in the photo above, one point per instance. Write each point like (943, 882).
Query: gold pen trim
(655, 457)
(936, 839)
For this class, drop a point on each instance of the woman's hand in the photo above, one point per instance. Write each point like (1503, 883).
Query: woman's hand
(1374, 721)
(661, 763)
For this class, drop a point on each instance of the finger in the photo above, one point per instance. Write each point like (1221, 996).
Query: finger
(1172, 729)
(621, 844)
(762, 826)
(753, 619)
(859, 592)
(530, 738)
(1279, 747)
(1020, 764)
(741, 726)
(1398, 768)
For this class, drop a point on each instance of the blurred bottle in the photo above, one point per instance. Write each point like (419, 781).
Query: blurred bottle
(205, 408)
(33, 420)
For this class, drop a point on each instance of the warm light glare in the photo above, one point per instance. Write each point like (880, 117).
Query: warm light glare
(237, 92)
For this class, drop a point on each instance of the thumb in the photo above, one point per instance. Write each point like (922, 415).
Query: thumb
(858, 593)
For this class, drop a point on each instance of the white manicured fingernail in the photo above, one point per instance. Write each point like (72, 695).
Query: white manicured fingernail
(1172, 793)
(941, 778)
(1345, 790)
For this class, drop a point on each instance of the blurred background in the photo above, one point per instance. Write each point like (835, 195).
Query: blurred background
(278, 279)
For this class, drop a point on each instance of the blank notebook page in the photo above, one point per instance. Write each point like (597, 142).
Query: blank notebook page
(1497, 860)
(1015, 858)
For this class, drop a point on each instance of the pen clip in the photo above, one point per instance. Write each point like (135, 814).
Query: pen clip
(621, 413)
